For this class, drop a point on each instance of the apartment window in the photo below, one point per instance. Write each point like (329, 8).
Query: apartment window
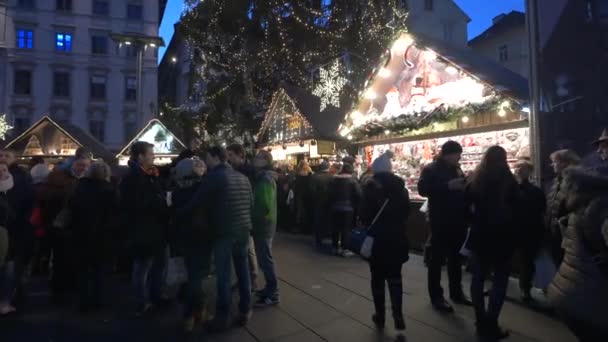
(131, 51)
(63, 42)
(135, 11)
(448, 31)
(25, 39)
(97, 128)
(131, 89)
(61, 84)
(101, 7)
(98, 87)
(26, 3)
(99, 45)
(503, 53)
(429, 5)
(23, 82)
(64, 5)
(130, 127)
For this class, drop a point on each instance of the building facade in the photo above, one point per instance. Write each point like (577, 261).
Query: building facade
(439, 19)
(61, 61)
(506, 42)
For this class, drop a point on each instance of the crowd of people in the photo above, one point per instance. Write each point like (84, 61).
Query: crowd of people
(219, 212)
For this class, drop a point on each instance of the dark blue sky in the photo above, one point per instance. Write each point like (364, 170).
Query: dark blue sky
(480, 11)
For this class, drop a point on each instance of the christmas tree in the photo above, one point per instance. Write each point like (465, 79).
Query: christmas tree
(244, 49)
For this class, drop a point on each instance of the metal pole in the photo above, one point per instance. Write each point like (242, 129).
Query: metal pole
(534, 83)
(140, 66)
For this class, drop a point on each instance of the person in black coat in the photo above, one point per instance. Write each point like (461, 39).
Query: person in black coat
(443, 182)
(344, 200)
(494, 196)
(532, 228)
(319, 189)
(390, 249)
(93, 206)
(146, 218)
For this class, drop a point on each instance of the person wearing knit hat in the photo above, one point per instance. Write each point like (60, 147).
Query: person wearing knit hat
(442, 182)
(383, 163)
(344, 199)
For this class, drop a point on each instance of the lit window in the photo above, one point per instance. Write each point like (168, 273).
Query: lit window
(25, 39)
(131, 89)
(63, 42)
(503, 53)
(134, 11)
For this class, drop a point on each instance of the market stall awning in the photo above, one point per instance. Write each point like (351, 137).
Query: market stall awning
(50, 138)
(156, 133)
(294, 115)
(421, 81)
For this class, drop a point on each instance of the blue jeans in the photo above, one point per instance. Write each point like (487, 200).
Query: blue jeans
(148, 278)
(225, 251)
(482, 267)
(263, 248)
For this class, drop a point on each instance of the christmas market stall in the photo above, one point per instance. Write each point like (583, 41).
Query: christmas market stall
(166, 145)
(55, 142)
(425, 93)
(297, 126)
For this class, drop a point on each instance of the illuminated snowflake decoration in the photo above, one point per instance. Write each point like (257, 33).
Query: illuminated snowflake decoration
(330, 86)
(4, 127)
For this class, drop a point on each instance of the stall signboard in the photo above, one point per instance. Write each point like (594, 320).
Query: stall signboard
(411, 157)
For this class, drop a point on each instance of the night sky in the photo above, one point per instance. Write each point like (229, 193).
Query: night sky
(481, 15)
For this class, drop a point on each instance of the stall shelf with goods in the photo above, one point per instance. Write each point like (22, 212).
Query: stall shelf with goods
(55, 142)
(424, 93)
(295, 128)
(166, 145)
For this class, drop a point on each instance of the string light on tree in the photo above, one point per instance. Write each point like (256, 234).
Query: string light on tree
(330, 86)
(4, 126)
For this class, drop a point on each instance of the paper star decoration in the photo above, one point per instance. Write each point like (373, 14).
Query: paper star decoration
(330, 86)
(4, 126)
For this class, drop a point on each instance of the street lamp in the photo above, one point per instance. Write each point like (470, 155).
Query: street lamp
(140, 42)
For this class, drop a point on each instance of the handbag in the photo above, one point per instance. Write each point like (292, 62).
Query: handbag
(361, 242)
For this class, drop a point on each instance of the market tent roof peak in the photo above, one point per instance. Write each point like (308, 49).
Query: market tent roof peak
(419, 75)
(324, 123)
(75, 134)
(173, 147)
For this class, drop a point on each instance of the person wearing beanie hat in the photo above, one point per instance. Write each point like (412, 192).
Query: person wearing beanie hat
(319, 192)
(442, 182)
(383, 163)
(344, 199)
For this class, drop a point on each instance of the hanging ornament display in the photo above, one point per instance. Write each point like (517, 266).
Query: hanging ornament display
(330, 85)
(4, 126)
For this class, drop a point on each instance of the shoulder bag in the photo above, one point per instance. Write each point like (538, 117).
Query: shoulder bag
(361, 242)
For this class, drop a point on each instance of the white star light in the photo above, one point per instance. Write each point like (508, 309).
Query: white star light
(330, 86)
(4, 126)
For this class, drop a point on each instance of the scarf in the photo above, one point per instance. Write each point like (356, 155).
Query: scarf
(150, 171)
(7, 184)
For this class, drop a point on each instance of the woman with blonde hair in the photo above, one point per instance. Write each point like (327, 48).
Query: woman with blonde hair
(556, 207)
(92, 206)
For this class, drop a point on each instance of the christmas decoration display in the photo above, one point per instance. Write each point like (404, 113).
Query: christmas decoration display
(330, 85)
(4, 127)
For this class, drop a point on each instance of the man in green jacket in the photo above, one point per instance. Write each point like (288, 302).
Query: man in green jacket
(265, 225)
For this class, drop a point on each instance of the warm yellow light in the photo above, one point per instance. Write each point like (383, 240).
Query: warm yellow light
(128, 43)
(465, 119)
(505, 104)
(344, 131)
(384, 73)
(502, 112)
(370, 94)
(350, 137)
(402, 44)
(431, 55)
(387, 132)
(451, 70)
(173, 59)
(152, 45)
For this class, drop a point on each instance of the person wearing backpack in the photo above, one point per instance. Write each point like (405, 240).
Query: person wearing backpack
(579, 291)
